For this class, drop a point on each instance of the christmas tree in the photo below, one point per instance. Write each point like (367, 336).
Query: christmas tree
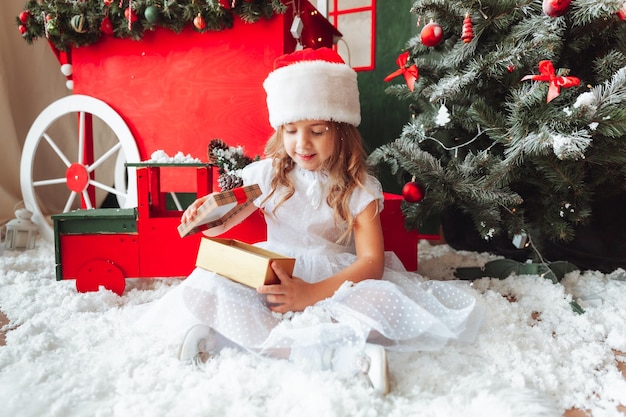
(517, 124)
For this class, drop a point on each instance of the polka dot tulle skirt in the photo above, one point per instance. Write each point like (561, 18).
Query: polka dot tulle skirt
(402, 311)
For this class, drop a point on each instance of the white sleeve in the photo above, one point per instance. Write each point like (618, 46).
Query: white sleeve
(361, 197)
(258, 172)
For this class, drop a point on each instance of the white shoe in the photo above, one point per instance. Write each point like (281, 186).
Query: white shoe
(198, 345)
(377, 372)
(370, 364)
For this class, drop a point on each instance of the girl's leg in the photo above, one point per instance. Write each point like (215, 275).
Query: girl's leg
(201, 342)
(233, 310)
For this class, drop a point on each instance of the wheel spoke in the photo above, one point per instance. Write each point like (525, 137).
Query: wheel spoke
(106, 188)
(104, 157)
(70, 201)
(51, 181)
(57, 150)
(86, 199)
(176, 201)
(81, 137)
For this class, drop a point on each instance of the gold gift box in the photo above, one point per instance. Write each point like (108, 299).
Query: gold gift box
(241, 262)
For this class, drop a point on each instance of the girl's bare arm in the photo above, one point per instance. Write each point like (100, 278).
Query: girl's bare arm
(294, 294)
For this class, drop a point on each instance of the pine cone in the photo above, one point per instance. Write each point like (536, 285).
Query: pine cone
(243, 161)
(215, 144)
(228, 181)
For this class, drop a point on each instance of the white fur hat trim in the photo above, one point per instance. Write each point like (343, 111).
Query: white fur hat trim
(313, 90)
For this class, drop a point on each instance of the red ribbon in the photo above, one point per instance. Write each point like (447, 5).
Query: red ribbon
(410, 73)
(240, 195)
(547, 74)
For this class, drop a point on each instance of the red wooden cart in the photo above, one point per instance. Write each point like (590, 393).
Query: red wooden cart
(172, 92)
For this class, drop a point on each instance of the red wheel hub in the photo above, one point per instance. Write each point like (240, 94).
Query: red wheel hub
(77, 177)
(98, 273)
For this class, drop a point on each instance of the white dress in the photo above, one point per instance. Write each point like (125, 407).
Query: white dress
(402, 311)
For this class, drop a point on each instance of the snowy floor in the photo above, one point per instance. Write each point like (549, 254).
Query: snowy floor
(71, 354)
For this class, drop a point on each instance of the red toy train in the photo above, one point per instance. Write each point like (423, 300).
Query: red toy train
(103, 247)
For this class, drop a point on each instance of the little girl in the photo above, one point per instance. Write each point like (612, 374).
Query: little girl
(347, 300)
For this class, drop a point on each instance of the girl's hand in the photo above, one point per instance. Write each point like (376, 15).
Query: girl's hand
(292, 294)
(192, 210)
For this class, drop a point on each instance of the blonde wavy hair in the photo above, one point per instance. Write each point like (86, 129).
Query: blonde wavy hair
(347, 169)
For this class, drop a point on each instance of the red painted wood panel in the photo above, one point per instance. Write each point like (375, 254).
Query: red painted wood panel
(178, 91)
(79, 250)
(397, 239)
(162, 252)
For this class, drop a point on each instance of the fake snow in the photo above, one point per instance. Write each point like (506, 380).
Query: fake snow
(161, 157)
(78, 354)
(586, 99)
(570, 147)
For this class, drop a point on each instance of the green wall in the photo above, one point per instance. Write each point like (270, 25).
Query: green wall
(384, 115)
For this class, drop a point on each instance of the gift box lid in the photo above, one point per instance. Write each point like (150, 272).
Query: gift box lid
(221, 208)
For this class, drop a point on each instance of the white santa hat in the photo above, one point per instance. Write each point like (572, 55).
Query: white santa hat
(312, 84)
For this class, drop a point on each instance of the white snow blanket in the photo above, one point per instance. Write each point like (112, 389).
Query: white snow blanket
(77, 354)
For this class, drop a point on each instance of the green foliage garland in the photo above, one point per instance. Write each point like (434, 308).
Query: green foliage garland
(73, 23)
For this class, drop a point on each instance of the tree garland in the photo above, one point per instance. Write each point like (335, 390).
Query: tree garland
(72, 23)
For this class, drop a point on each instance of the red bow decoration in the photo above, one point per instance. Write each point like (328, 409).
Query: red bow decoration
(547, 74)
(410, 73)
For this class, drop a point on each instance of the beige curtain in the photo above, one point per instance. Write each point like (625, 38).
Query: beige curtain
(30, 80)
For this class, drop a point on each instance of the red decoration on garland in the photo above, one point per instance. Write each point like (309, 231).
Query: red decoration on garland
(22, 29)
(547, 74)
(555, 8)
(431, 34)
(106, 26)
(24, 16)
(410, 74)
(468, 29)
(621, 13)
(413, 192)
(130, 14)
(199, 22)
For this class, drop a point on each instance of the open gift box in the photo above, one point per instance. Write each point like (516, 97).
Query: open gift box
(238, 261)
(241, 262)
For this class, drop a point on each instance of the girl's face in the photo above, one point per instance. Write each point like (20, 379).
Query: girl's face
(309, 143)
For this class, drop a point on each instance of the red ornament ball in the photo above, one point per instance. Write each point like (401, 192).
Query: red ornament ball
(556, 8)
(130, 15)
(22, 29)
(199, 22)
(431, 34)
(24, 16)
(413, 192)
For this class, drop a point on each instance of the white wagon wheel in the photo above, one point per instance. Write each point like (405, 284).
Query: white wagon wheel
(74, 175)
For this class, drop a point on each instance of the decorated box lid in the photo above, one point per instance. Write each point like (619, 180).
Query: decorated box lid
(220, 210)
